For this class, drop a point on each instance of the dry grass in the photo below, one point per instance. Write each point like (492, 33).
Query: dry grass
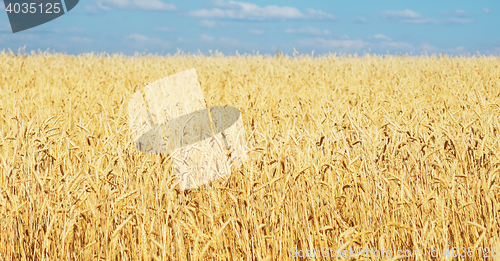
(379, 152)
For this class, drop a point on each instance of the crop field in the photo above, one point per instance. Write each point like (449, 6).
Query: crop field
(345, 152)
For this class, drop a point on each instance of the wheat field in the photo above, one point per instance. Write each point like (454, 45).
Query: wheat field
(345, 152)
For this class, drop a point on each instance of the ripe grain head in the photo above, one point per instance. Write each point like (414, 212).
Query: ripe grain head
(372, 151)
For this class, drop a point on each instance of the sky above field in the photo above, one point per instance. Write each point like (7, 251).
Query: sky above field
(164, 26)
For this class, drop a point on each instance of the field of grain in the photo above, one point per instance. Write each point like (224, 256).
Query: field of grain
(379, 152)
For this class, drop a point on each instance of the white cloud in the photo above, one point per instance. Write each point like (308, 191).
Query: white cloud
(225, 4)
(142, 40)
(207, 23)
(76, 30)
(424, 47)
(226, 43)
(164, 29)
(459, 49)
(451, 21)
(230, 41)
(90, 9)
(207, 38)
(107, 4)
(77, 39)
(256, 31)
(456, 13)
(430, 49)
(155, 5)
(4, 26)
(427, 47)
(457, 21)
(412, 17)
(486, 10)
(307, 30)
(318, 14)
(237, 44)
(381, 37)
(420, 21)
(137, 37)
(402, 46)
(249, 11)
(359, 45)
(359, 20)
(404, 14)
(407, 16)
(336, 45)
(70, 30)
(34, 41)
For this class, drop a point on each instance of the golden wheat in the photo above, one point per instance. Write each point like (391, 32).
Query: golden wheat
(391, 152)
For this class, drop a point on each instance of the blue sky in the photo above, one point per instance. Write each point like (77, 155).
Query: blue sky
(164, 26)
